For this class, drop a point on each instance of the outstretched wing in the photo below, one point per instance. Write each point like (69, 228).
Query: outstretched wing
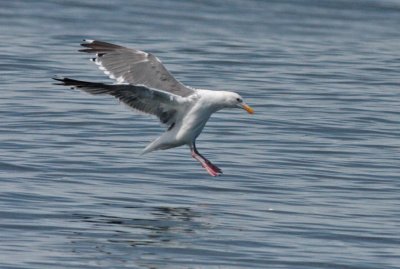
(134, 67)
(161, 104)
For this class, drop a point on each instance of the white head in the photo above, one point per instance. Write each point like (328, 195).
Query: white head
(234, 100)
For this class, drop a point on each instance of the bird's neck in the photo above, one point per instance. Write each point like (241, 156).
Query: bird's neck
(214, 100)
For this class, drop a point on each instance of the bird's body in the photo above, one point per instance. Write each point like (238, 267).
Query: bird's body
(194, 113)
(144, 84)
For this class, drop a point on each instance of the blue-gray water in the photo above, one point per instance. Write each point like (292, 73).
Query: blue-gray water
(310, 181)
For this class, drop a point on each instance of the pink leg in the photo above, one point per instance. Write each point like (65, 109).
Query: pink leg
(212, 169)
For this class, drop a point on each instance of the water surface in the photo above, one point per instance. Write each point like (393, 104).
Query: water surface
(310, 181)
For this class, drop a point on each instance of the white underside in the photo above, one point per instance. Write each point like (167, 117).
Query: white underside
(189, 124)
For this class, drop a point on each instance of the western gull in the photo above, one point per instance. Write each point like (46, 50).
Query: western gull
(143, 83)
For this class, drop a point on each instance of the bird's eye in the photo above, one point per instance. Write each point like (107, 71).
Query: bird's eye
(239, 100)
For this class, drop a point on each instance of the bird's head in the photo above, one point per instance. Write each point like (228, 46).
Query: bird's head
(234, 100)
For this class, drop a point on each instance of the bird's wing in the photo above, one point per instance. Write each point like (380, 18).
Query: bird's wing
(159, 103)
(134, 67)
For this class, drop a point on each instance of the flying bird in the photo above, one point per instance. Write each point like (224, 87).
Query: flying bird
(143, 83)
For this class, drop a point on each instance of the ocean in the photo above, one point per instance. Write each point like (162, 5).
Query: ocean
(311, 180)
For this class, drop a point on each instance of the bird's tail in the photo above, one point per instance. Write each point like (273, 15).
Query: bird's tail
(161, 143)
(152, 146)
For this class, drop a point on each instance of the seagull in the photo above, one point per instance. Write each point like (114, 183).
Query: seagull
(144, 84)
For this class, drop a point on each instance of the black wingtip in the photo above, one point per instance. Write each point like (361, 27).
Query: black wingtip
(61, 79)
(87, 41)
(86, 44)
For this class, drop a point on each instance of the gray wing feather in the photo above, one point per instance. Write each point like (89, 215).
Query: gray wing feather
(134, 67)
(144, 99)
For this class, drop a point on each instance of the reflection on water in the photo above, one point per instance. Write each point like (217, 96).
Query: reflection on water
(164, 226)
(161, 231)
(322, 150)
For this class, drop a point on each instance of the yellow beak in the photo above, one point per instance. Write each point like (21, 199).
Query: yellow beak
(247, 108)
